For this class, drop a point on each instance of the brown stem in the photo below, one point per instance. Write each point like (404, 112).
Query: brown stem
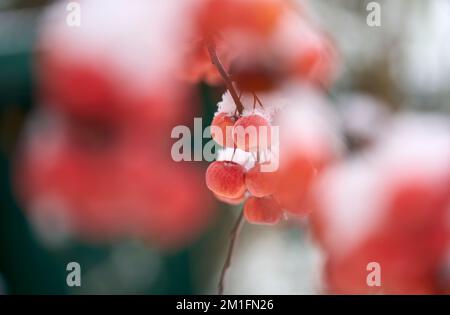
(257, 99)
(234, 235)
(234, 152)
(224, 74)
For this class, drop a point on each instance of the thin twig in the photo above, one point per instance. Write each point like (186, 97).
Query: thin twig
(224, 74)
(257, 99)
(234, 152)
(234, 235)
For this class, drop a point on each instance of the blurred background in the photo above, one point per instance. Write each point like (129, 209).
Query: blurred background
(95, 184)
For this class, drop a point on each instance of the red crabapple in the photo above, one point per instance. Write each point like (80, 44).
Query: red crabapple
(252, 133)
(226, 179)
(261, 184)
(297, 177)
(222, 129)
(262, 211)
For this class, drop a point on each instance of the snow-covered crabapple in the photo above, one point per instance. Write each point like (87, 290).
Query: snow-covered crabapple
(226, 179)
(222, 129)
(252, 133)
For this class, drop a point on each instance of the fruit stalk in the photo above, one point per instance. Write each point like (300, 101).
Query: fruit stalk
(234, 235)
(224, 74)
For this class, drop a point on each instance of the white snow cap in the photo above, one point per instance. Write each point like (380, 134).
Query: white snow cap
(305, 118)
(246, 159)
(135, 40)
(271, 104)
(309, 122)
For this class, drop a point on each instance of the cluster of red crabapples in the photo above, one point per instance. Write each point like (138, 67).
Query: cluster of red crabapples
(231, 182)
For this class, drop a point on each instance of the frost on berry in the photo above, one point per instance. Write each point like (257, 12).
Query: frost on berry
(308, 142)
(252, 133)
(262, 211)
(246, 159)
(222, 129)
(226, 179)
(272, 103)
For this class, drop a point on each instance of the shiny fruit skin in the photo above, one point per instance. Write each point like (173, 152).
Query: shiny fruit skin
(226, 179)
(259, 183)
(222, 130)
(252, 133)
(264, 211)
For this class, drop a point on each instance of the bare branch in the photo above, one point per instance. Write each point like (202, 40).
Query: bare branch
(234, 235)
(224, 74)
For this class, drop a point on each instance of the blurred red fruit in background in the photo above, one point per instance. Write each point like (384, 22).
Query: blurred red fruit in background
(197, 65)
(257, 17)
(391, 206)
(96, 155)
(296, 180)
(110, 187)
(262, 44)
